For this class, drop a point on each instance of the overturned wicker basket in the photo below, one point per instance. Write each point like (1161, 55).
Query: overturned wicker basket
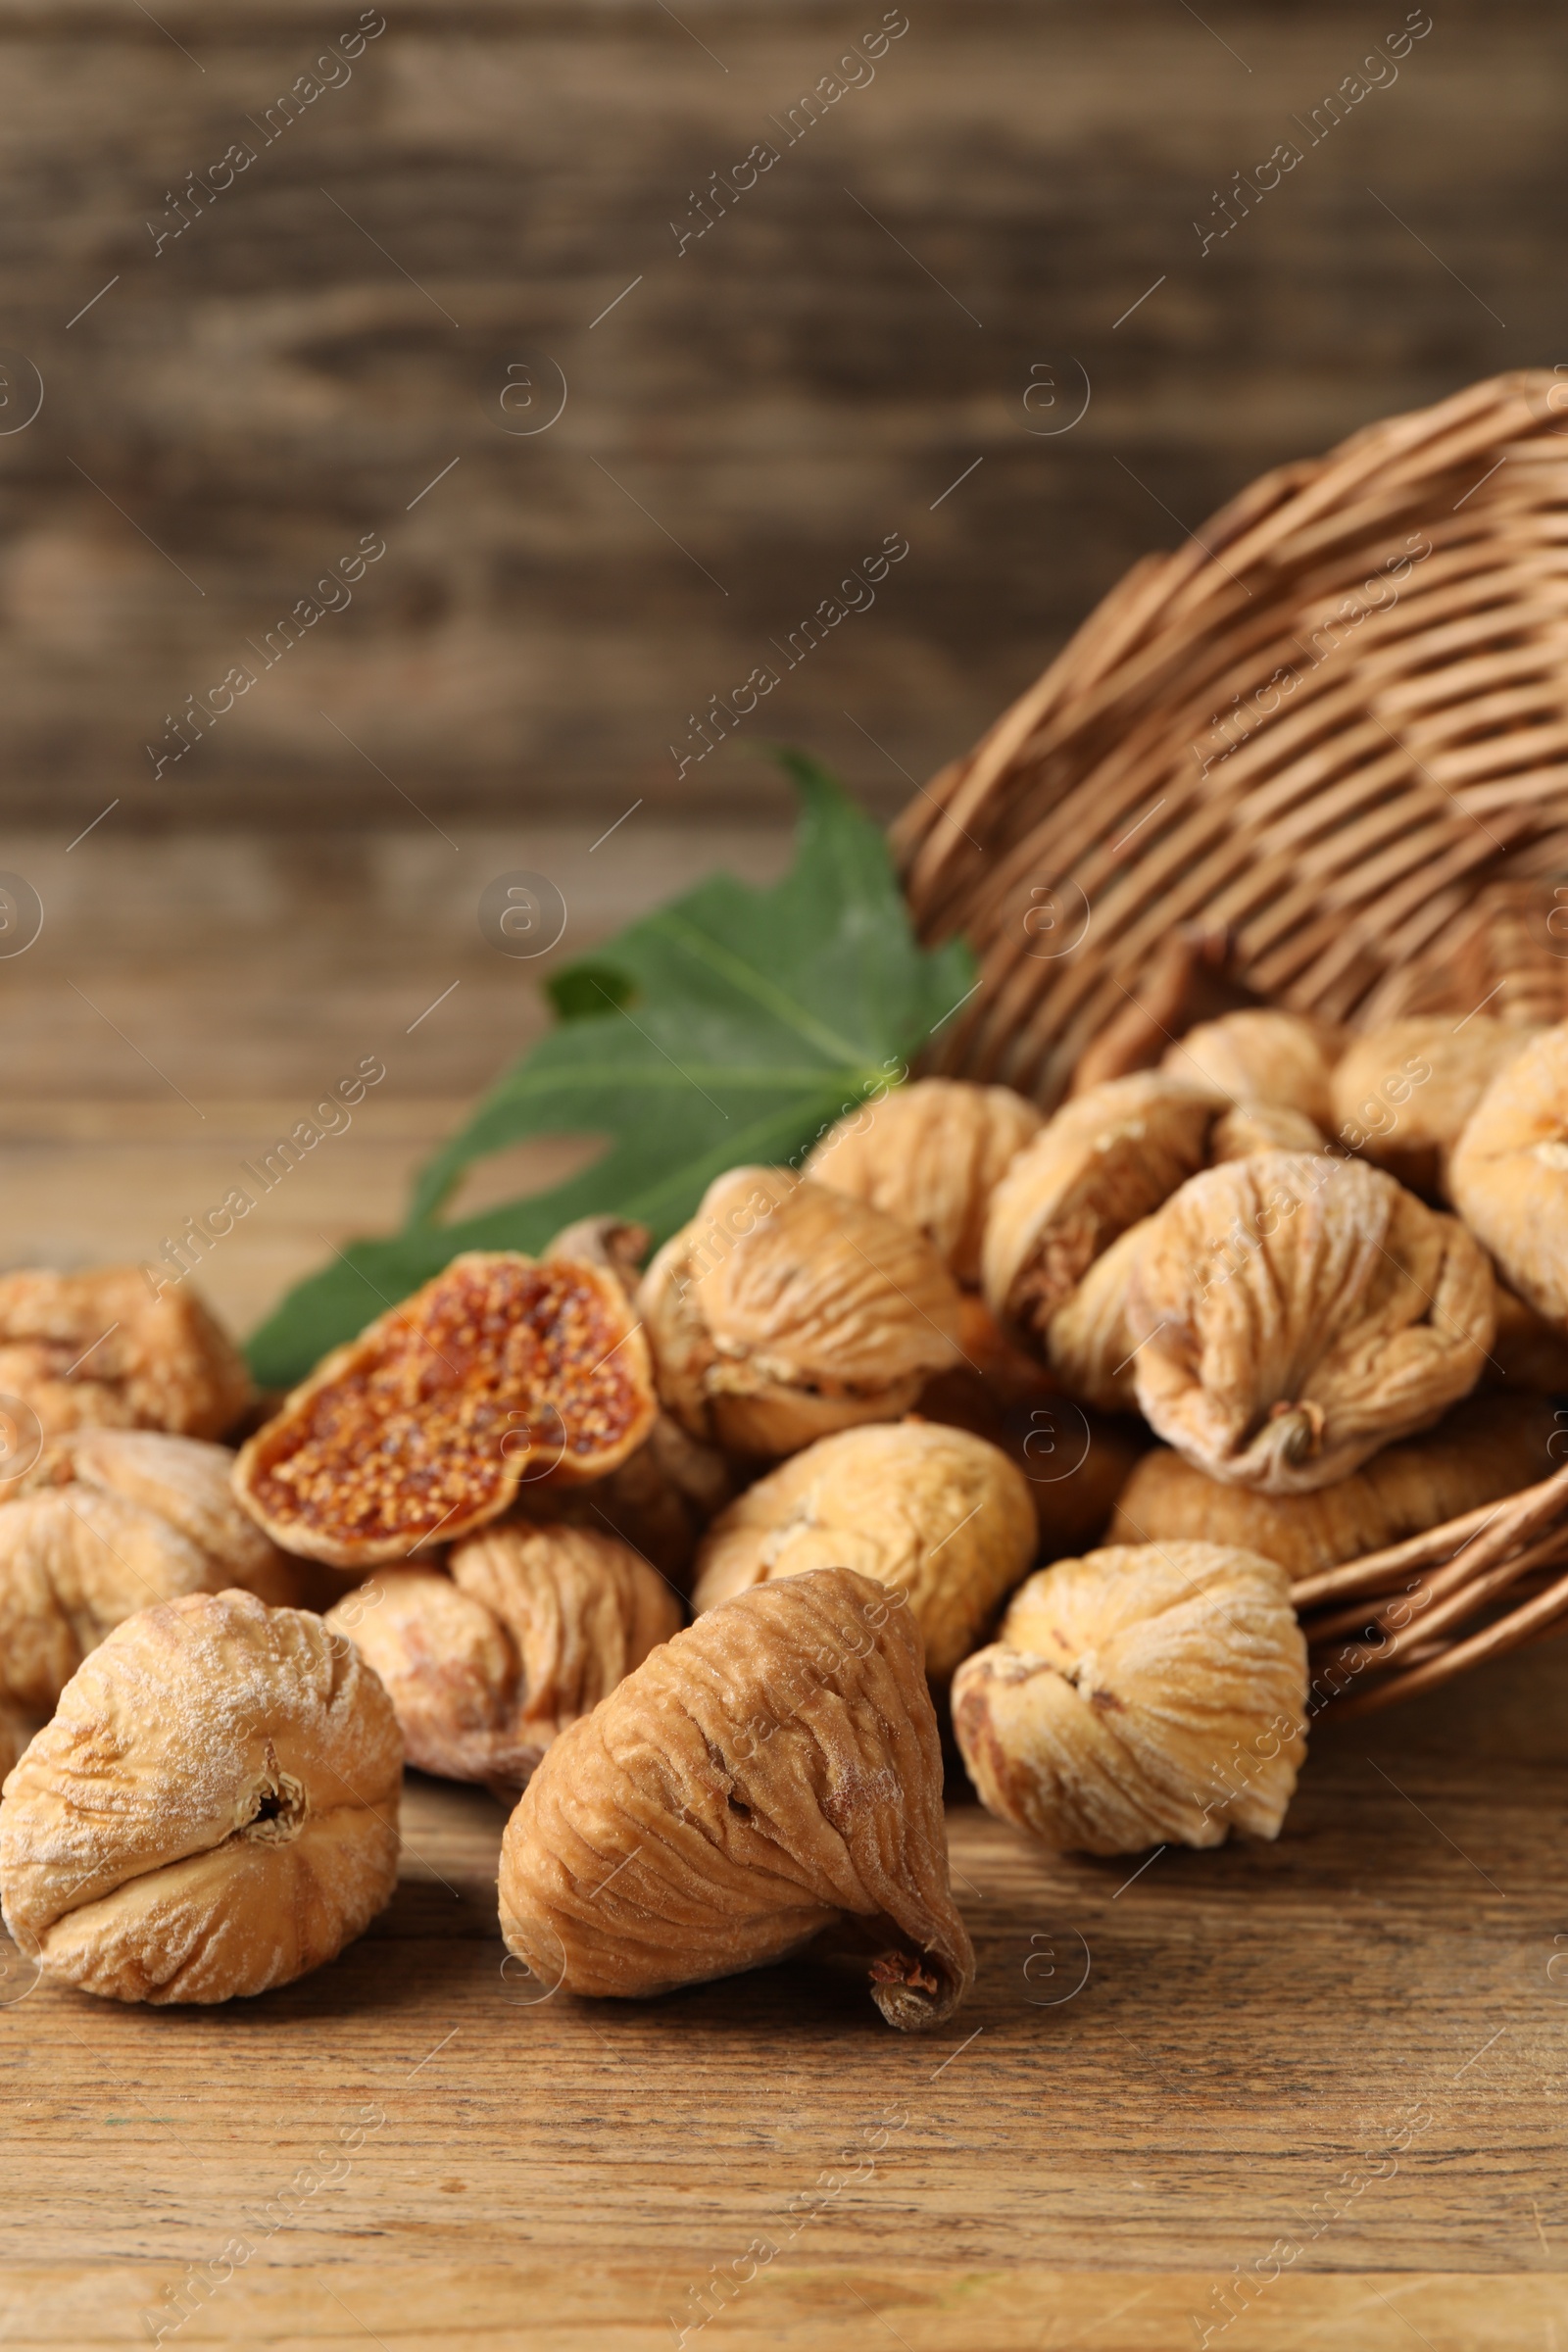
(1331, 731)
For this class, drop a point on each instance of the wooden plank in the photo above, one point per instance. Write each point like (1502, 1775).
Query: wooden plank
(746, 425)
(542, 2307)
(1159, 2078)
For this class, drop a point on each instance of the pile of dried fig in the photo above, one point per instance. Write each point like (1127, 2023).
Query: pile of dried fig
(1290, 1297)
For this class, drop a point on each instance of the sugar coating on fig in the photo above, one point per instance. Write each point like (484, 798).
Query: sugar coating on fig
(772, 1772)
(212, 1810)
(1145, 1694)
(1293, 1312)
(931, 1154)
(423, 1427)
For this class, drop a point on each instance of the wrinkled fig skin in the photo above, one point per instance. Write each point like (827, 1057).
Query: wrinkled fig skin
(1508, 1173)
(770, 1773)
(930, 1154)
(1145, 1694)
(1404, 1093)
(212, 1810)
(1088, 1341)
(533, 1626)
(108, 1522)
(98, 1349)
(932, 1512)
(1488, 1446)
(785, 1310)
(1263, 1127)
(1293, 1312)
(1261, 1056)
(1108, 1158)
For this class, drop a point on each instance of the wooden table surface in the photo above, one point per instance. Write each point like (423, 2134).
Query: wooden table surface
(1339, 2062)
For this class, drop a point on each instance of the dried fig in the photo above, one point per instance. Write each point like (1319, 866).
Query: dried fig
(935, 1513)
(784, 1311)
(1249, 1127)
(110, 1521)
(530, 1630)
(1403, 1094)
(1260, 1056)
(930, 1154)
(1105, 1161)
(1089, 1340)
(1486, 1448)
(212, 1810)
(100, 1350)
(425, 1425)
(1147, 1693)
(770, 1772)
(1293, 1312)
(1508, 1173)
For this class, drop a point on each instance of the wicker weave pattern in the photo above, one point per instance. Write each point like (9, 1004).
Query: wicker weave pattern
(1400, 1620)
(1324, 722)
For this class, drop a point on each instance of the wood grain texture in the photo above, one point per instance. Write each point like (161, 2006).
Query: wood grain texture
(1086, 2159)
(1252, 2025)
(818, 370)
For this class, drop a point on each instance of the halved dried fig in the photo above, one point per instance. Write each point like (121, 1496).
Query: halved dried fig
(108, 1522)
(212, 1810)
(1508, 1173)
(1486, 1448)
(1293, 1312)
(935, 1513)
(1145, 1693)
(424, 1426)
(931, 1154)
(532, 1628)
(771, 1771)
(784, 1311)
(102, 1349)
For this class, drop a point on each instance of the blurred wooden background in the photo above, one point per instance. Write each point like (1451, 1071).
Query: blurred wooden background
(1011, 208)
(331, 332)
